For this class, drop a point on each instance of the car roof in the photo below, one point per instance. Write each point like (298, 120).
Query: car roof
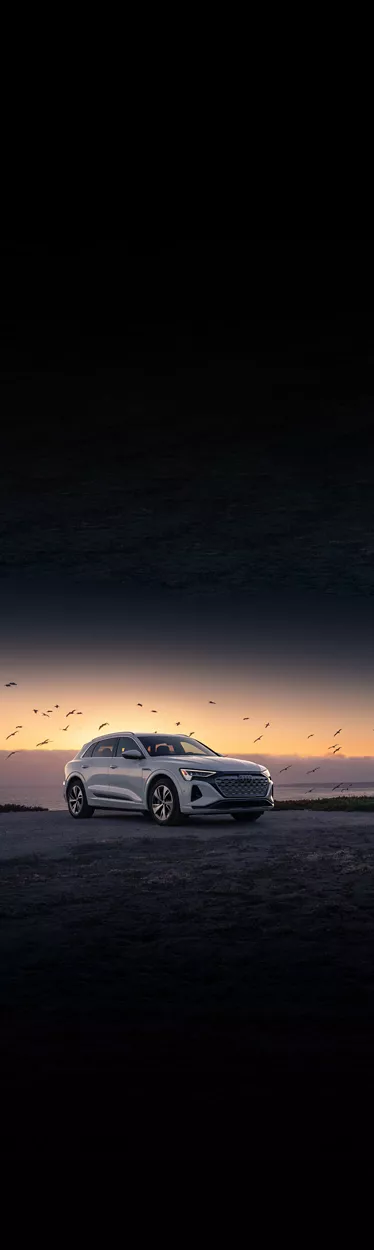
(136, 733)
(118, 733)
(114, 733)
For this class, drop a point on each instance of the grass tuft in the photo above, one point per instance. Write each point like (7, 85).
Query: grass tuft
(19, 807)
(342, 803)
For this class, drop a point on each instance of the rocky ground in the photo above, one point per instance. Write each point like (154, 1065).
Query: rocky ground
(214, 983)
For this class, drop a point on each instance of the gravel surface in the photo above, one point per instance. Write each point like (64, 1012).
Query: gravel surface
(214, 972)
(50, 833)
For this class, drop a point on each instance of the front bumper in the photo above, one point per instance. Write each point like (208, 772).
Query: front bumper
(209, 799)
(234, 805)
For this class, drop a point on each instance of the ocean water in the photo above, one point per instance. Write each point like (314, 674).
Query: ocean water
(321, 791)
(51, 796)
(34, 795)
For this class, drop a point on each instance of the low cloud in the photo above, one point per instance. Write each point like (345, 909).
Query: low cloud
(26, 767)
(30, 767)
(356, 768)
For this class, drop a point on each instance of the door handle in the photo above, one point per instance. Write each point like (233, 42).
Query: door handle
(85, 765)
(114, 765)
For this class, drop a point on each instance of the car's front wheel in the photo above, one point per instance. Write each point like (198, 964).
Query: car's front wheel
(248, 817)
(77, 801)
(163, 803)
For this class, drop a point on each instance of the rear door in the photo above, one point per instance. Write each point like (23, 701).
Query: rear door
(95, 769)
(126, 777)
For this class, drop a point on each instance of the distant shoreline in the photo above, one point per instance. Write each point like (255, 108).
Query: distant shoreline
(358, 802)
(20, 807)
(338, 804)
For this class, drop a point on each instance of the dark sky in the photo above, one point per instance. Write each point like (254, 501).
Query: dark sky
(193, 420)
(187, 484)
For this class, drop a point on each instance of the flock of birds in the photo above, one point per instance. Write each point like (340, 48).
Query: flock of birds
(76, 712)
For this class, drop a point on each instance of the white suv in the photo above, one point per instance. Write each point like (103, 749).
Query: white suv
(166, 776)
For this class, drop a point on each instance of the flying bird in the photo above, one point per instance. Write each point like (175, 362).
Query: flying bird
(310, 735)
(340, 783)
(248, 718)
(57, 704)
(285, 770)
(71, 713)
(44, 743)
(49, 709)
(105, 722)
(335, 752)
(63, 731)
(139, 705)
(313, 770)
(331, 748)
(154, 709)
(79, 713)
(258, 739)
(311, 790)
(192, 731)
(11, 735)
(7, 757)
(267, 724)
(46, 714)
(177, 722)
(19, 726)
(35, 709)
(337, 731)
(10, 683)
(213, 702)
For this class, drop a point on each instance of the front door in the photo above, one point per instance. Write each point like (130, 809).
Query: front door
(126, 780)
(95, 769)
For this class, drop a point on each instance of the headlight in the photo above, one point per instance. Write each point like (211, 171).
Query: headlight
(190, 773)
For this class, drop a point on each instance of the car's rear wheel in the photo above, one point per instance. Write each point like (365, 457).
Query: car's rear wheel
(248, 817)
(77, 802)
(163, 803)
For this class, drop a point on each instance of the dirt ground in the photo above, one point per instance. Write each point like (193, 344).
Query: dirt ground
(214, 984)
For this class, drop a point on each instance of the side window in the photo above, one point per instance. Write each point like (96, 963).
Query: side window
(127, 744)
(105, 748)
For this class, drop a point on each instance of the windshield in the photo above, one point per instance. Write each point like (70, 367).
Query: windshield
(171, 744)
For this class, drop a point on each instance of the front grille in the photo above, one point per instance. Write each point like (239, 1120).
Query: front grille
(242, 785)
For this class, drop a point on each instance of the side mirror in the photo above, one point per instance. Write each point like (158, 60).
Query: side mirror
(131, 755)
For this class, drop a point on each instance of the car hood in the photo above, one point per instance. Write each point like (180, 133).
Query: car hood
(221, 763)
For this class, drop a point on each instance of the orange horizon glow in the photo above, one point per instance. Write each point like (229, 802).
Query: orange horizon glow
(221, 727)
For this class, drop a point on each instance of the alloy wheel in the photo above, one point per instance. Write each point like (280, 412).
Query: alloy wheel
(162, 804)
(76, 800)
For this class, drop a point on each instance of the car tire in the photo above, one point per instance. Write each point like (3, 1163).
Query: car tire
(79, 809)
(248, 817)
(163, 798)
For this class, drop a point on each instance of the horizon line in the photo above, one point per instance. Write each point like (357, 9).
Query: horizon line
(225, 754)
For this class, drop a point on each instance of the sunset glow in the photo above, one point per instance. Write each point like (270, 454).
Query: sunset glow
(295, 709)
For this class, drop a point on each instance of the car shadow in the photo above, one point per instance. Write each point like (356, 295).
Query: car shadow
(103, 813)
